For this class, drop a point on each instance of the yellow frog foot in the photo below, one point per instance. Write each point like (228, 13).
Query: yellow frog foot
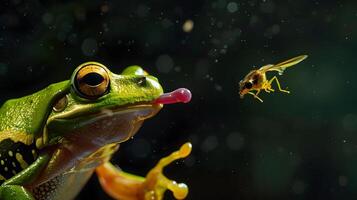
(125, 186)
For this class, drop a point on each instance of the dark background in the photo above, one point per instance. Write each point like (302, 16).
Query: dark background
(297, 146)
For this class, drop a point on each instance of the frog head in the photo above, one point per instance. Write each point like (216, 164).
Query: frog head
(105, 108)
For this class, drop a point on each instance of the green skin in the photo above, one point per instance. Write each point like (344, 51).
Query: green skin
(33, 121)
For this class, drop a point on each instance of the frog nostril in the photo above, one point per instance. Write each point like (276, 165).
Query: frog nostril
(141, 81)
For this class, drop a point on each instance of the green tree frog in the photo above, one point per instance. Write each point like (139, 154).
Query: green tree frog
(52, 141)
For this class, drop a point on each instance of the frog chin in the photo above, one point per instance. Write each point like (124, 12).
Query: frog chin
(94, 142)
(97, 140)
(113, 126)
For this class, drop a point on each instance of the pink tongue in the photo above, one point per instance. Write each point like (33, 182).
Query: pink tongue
(180, 95)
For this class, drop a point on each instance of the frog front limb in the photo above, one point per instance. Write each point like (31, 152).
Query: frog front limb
(125, 186)
(14, 187)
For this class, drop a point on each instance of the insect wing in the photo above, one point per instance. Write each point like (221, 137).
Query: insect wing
(280, 67)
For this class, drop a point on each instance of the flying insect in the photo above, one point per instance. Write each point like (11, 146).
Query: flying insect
(256, 80)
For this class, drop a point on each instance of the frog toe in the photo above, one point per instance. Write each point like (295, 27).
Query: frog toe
(125, 186)
(156, 183)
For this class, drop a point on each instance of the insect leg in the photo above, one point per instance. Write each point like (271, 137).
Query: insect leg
(258, 91)
(267, 87)
(255, 96)
(277, 82)
(268, 90)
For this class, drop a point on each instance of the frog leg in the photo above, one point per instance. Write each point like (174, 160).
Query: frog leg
(13, 187)
(121, 185)
(11, 192)
(277, 82)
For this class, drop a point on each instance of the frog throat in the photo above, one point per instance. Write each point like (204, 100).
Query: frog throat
(138, 112)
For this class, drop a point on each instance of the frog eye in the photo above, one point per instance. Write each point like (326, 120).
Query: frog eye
(134, 70)
(92, 81)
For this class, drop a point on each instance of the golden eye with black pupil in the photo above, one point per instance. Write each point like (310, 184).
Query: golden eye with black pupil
(92, 81)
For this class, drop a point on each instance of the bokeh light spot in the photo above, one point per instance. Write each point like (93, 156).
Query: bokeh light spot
(89, 47)
(232, 7)
(164, 63)
(188, 26)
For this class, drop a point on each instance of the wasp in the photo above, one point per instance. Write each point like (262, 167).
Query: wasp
(256, 80)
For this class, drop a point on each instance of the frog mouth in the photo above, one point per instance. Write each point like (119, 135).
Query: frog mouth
(134, 112)
(181, 95)
(147, 110)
